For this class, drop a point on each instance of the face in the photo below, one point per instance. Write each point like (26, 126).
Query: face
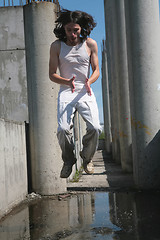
(73, 31)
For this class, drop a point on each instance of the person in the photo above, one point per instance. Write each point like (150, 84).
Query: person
(73, 52)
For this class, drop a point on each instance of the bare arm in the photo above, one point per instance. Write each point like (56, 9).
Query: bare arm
(53, 65)
(92, 46)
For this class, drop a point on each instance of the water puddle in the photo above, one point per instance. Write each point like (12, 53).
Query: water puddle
(92, 215)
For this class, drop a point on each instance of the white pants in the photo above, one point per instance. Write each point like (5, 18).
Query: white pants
(89, 112)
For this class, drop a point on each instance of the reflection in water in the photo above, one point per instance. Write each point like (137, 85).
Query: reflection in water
(97, 215)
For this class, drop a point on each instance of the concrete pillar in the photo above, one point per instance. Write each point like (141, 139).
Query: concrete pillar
(106, 101)
(143, 38)
(111, 44)
(46, 163)
(123, 91)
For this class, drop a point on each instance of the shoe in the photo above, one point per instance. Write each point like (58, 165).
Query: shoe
(66, 170)
(88, 167)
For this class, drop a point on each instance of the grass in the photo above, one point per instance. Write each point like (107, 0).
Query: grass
(77, 175)
(102, 136)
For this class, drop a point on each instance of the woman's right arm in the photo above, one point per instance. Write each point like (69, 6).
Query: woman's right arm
(53, 65)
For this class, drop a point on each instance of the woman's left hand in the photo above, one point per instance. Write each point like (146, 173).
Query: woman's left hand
(87, 84)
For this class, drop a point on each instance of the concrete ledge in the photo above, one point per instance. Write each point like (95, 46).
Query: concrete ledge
(108, 176)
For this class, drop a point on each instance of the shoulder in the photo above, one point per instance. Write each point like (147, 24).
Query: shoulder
(56, 46)
(91, 43)
(56, 43)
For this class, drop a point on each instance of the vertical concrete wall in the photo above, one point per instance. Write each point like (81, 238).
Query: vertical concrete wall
(133, 32)
(13, 171)
(106, 101)
(46, 162)
(143, 38)
(125, 135)
(117, 68)
(111, 44)
(13, 85)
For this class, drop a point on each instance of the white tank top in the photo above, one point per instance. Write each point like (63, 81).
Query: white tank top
(74, 61)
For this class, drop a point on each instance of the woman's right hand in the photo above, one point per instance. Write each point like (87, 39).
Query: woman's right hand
(71, 84)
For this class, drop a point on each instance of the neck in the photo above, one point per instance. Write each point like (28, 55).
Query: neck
(70, 43)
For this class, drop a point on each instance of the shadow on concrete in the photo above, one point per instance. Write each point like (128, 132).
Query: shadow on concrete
(108, 175)
(116, 177)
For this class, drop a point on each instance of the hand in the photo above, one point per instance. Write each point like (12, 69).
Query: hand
(71, 84)
(87, 84)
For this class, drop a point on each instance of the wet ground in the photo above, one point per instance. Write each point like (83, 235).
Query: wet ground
(105, 205)
(89, 215)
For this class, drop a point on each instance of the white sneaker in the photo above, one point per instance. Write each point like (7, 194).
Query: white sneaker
(88, 167)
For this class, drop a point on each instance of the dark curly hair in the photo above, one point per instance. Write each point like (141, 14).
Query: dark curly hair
(65, 16)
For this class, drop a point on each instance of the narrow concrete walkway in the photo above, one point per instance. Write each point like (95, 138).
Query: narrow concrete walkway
(108, 176)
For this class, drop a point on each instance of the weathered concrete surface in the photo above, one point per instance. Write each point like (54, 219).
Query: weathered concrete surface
(13, 167)
(46, 162)
(143, 37)
(11, 28)
(123, 91)
(13, 84)
(108, 176)
(106, 100)
(112, 58)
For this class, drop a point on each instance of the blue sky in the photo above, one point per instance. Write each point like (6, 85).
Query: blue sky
(96, 9)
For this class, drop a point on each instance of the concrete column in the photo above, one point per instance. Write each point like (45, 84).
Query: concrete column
(143, 38)
(46, 163)
(123, 91)
(111, 43)
(106, 101)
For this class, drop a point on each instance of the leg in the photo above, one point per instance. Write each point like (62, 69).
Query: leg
(65, 138)
(89, 112)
